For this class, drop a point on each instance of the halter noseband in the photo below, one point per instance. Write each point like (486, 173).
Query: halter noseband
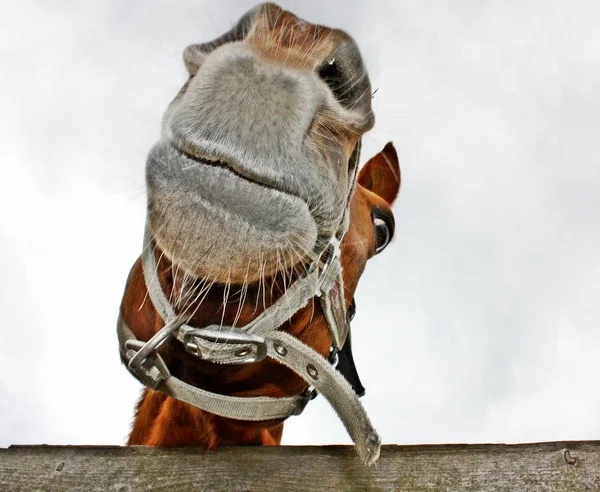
(259, 339)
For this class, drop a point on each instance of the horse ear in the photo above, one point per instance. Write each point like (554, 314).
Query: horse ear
(381, 174)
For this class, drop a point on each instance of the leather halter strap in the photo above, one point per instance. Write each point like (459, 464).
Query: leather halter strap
(253, 342)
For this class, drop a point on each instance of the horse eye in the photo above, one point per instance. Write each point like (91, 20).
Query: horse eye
(384, 224)
(382, 234)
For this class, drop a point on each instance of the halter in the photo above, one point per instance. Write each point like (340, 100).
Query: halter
(259, 339)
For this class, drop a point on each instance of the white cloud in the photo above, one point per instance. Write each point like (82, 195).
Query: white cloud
(480, 321)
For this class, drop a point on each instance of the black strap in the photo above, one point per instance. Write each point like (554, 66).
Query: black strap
(347, 367)
(345, 359)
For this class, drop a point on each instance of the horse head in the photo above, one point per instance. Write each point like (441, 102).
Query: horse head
(253, 183)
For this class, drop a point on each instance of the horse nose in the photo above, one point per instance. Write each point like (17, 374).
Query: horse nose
(251, 103)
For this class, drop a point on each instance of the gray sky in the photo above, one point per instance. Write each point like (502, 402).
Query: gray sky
(479, 323)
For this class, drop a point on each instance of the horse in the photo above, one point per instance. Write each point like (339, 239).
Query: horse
(253, 185)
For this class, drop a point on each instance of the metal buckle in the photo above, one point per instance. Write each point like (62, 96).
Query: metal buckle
(150, 370)
(230, 335)
(306, 396)
(334, 356)
(143, 350)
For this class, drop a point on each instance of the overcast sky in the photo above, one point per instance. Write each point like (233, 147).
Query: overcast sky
(480, 323)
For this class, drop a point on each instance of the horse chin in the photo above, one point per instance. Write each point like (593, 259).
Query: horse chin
(217, 225)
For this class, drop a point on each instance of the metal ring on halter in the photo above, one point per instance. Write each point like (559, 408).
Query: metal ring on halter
(160, 337)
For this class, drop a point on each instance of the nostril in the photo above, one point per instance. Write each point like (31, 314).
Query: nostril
(331, 73)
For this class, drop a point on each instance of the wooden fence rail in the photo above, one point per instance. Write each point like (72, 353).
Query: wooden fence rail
(551, 466)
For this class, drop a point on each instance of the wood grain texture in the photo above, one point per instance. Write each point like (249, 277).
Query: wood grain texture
(553, 466)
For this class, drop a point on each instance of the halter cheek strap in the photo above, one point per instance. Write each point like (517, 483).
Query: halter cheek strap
(253, 342)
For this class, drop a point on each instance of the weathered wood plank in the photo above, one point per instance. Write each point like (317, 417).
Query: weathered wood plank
(554, 466)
